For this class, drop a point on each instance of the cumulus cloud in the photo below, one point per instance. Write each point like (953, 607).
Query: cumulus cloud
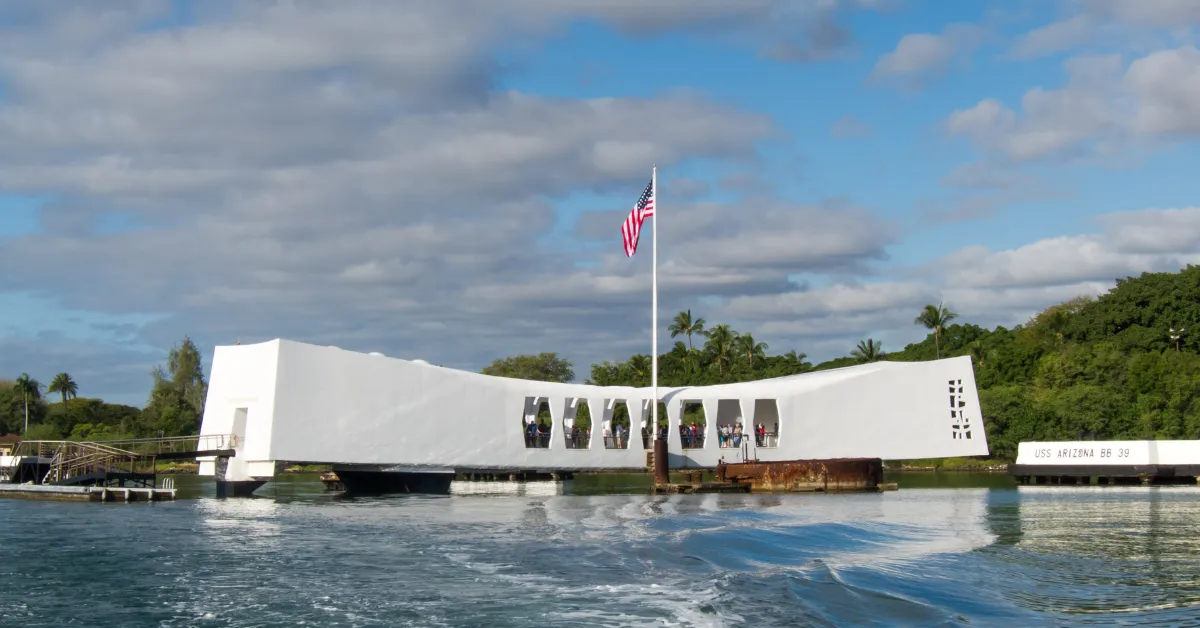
(348, 173)
(985, 287)
(1110, 24)
(920, 57)
(1106, 106)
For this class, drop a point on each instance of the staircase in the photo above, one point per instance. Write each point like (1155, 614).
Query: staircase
(114, 463)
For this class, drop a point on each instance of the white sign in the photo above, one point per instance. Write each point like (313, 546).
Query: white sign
(1085, 453)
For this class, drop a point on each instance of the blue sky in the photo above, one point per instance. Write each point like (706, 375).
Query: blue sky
(446, 181)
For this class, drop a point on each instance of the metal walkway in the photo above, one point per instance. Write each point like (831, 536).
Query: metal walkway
(108, 463)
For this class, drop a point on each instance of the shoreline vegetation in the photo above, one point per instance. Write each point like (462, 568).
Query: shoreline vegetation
(1123, 365)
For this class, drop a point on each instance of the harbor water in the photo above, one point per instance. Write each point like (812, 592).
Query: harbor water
(946, 549)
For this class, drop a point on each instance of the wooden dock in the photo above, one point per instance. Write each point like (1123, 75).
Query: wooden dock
(85, 493)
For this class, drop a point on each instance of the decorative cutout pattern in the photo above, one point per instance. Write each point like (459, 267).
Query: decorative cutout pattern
(960, 423)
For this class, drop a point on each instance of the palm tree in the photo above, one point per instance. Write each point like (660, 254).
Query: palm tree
(28, 388)
(868, 351)
(685, 325)
(720, 343)
(640, 367)
(935, 317)
(752, 350)
(797, 359)
(64, 385)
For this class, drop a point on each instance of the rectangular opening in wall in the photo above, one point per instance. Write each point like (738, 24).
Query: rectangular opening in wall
(766, 422)
(536, 424)
(577, 424)
(693, 424)
(731, 428)
(239, 427)
(616, 429)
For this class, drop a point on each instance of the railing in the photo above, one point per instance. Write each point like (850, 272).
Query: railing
(578, 441)
(692, 442)
(616, 442)
(72, 459)
(175, 444)
(540, 440)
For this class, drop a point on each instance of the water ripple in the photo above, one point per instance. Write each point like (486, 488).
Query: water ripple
(926, 557)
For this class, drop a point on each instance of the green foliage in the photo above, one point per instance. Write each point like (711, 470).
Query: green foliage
(64, 386)
(935, 318)
(727, 356)
(41, 431)
(177, 400)
(12, 408)
(868, 351)
(543, 367)
(1100, 368)
(175, 408)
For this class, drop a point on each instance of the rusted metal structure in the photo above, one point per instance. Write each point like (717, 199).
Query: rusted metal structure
(802, 476)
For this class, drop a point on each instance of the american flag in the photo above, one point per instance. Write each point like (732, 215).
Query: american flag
(633, 224)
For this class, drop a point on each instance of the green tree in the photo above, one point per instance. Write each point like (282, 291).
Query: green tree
(543, 367)
(29, 389)
(720, 345)
(177, 399)
(750, 349)
(684, 324)
(935, 317)
(63, 385)
(868, 351)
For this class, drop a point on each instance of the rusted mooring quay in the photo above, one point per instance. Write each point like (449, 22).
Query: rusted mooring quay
(837, 475)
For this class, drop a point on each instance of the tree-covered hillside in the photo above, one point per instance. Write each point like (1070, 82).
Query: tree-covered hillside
(174, 408)
(1101, 368)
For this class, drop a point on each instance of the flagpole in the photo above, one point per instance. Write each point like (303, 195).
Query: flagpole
(654, 307)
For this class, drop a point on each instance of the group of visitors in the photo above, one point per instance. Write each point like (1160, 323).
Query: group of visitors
(537, 435)
(691, 435)
(579, 438)
(733, 436)
(617, 437)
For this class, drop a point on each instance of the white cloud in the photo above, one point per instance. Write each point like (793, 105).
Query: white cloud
(1111, 24)
(347, 173)
(1167, 85)
(919, 57)
(985, 287)
(1105, 108)
(1055, 37)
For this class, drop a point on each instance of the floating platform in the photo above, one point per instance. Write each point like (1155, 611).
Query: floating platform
(1150, 463)
(85, 493)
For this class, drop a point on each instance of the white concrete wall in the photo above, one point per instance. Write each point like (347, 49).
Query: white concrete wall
(309, 403)
(1115, 452)
(243, 376)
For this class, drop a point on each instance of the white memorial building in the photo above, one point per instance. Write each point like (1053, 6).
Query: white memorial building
(291, 402)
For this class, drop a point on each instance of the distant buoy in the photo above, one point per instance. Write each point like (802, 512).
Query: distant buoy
(377, 353)
(419, 361)
(334, 347)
